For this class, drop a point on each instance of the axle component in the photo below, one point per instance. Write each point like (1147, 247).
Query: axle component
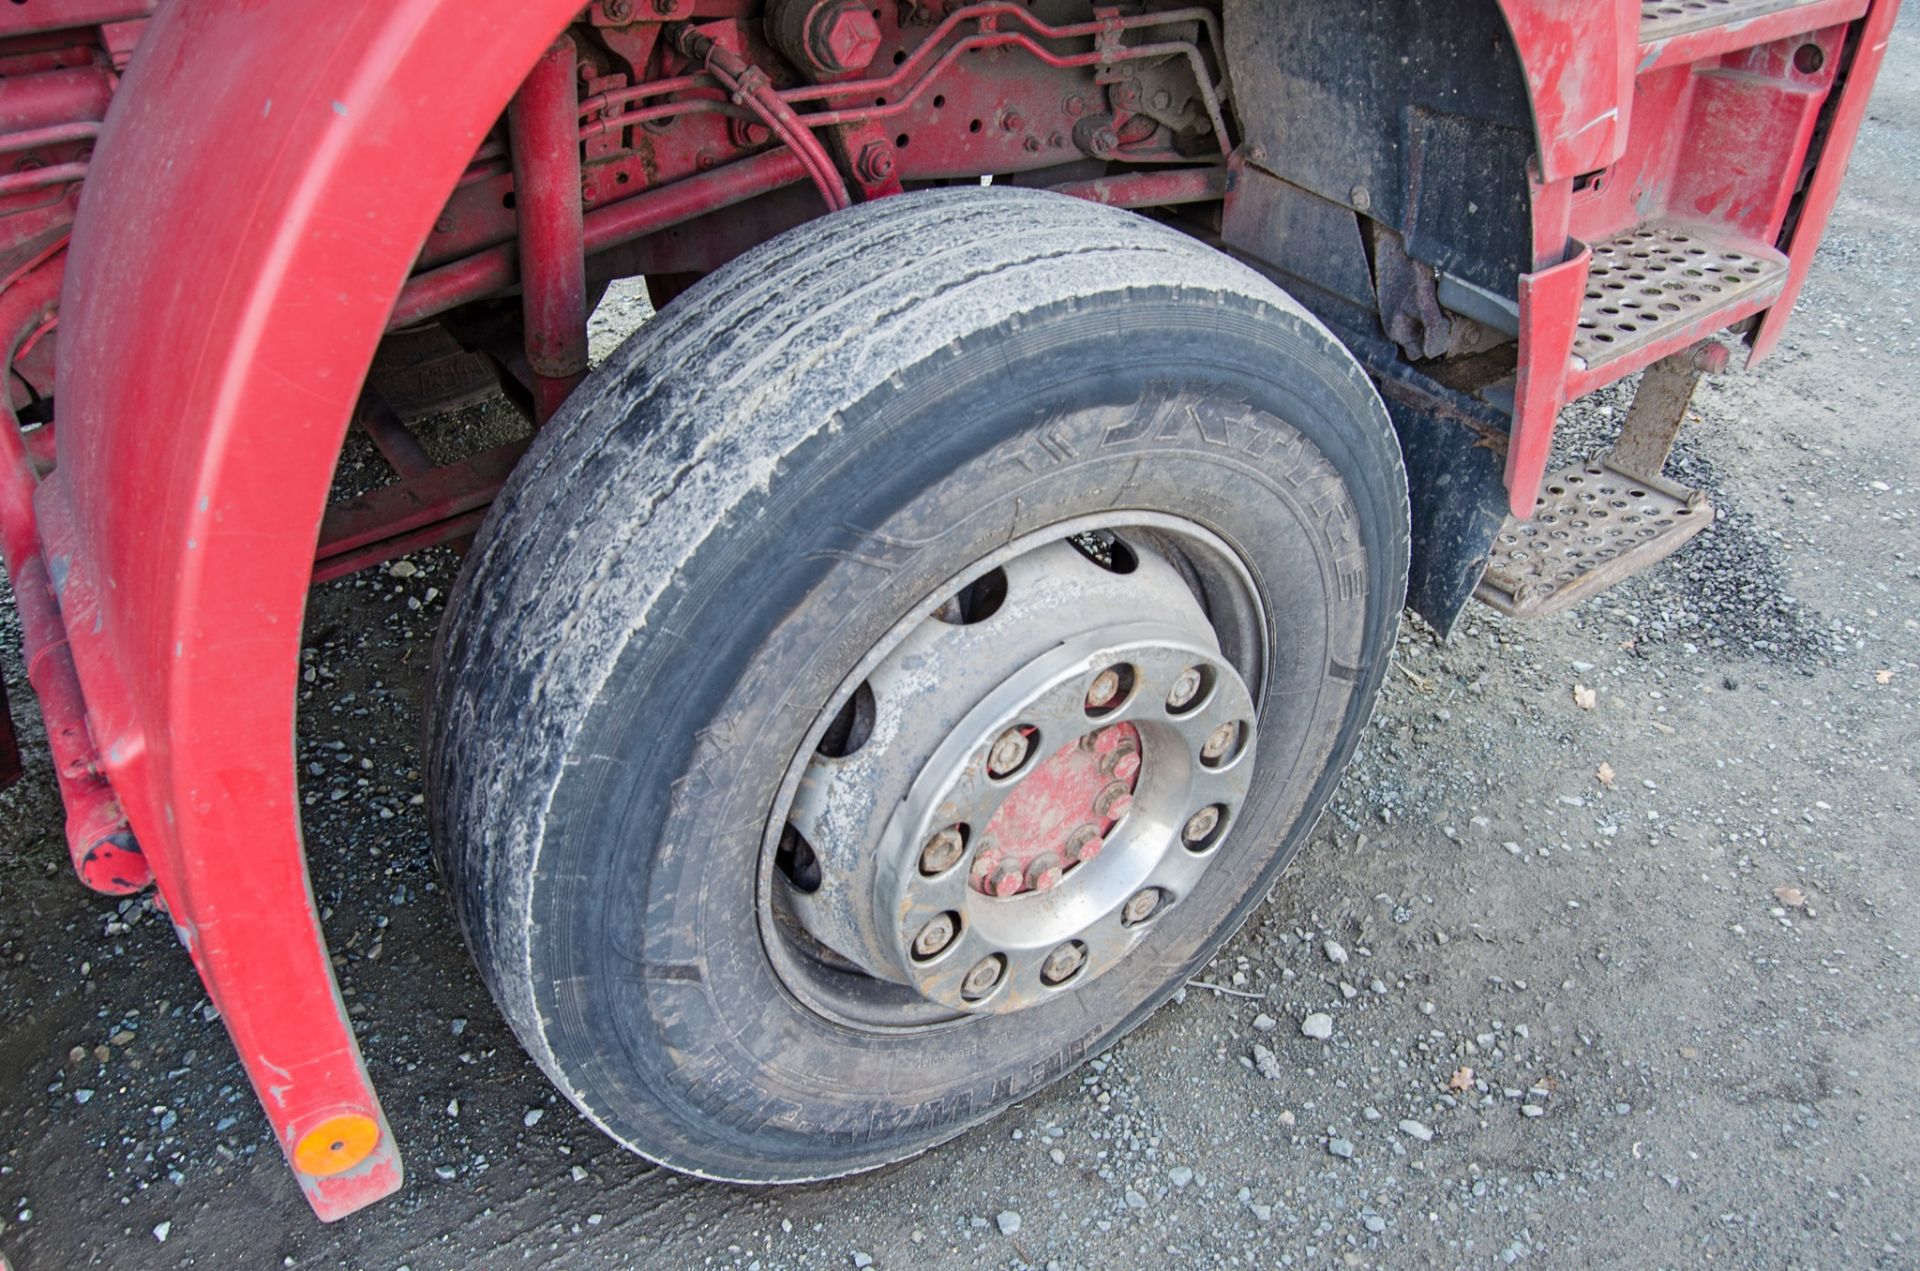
(99, 839)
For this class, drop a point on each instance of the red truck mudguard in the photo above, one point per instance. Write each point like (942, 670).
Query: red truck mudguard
(264, 181)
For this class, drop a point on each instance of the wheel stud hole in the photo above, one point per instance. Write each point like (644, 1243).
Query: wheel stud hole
(796, 862)
(1204, 828)
(851, 726)
(1223, 745)
(1110, 690)
(975, 602)
(1106, 550)
(1190, 691)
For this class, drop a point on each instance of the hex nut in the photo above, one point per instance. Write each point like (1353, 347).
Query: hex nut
(1141, 906)
(1201, 825)
(1009, 751)
(1084, 843)
(984, 977)
(1104, 690)
(1063, 963)
(1219, 744)
(935, 936)
(1185, 689)
(843, 36)
(942, 852)
(1114, 800)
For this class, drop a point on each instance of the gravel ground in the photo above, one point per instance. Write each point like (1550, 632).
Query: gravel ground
(1626, 983)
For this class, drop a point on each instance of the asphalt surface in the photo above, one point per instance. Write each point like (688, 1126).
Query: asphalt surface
(1620, 984)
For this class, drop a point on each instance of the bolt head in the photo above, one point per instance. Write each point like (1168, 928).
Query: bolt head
(1126, 768)
(1111, 756)
(1105, 688)
(1084, 843)
(1008, 753)
(844, 36)
(1361, 198)
(1185, 688)
(748, 133)
(875, 163)
(983, 977)
(1063, 962)
(1220, 742)
(1200, 824)
(935, 936)
(1140, 906)
(1113, 801)
(1043, 872)
(942, 852)
(1007, 881)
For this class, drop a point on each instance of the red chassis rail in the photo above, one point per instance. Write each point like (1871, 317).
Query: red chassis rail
(345, 194)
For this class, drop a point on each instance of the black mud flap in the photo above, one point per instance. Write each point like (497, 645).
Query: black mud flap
(1459, 502)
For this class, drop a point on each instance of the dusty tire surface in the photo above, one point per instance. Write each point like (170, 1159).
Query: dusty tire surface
(727, 516)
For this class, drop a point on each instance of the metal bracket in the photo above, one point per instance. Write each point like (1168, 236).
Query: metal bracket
(1660, 408)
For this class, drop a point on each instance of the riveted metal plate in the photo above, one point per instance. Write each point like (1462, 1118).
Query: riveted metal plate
(1655, 279)
(1664, 19)
(1593, 526)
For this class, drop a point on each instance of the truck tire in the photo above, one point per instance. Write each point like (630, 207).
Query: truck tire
(900, 666)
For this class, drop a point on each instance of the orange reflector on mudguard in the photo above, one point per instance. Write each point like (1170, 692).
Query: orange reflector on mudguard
(337, 1144)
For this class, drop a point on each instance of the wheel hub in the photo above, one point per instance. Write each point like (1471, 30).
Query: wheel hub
(1023, 793)
(1059, 815)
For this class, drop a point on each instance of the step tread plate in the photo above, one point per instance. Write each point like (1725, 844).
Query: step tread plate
(1593, 526)
(1657, 278)
(1664, 19)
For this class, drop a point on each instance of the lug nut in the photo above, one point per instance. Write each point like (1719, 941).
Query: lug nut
(1113, 801)
(1084, 843)
(1200, 825)
(1044, 872)
(1008, 753)
(1185, 689)
(1140, 906)
(935, 936)
(1007, 881)
(1062, 964)
(1104, 689)
(942, 852)
(1219, 743)
(1126, 767)
(983, 977)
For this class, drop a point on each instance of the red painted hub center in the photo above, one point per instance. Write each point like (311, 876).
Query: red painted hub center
(1060, 813)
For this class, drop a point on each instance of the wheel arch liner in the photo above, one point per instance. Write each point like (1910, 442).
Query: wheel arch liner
(236, 290)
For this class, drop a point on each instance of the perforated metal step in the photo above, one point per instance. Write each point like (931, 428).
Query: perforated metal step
(1654, 280)
(1664, 19)
(1593, 526)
